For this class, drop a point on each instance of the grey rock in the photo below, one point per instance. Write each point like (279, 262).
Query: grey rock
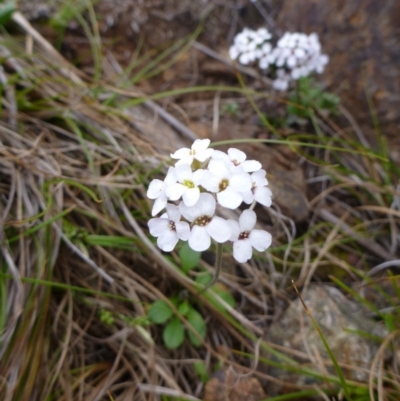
(340, 321)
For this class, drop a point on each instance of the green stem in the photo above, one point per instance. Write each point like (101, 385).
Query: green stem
(218, 264)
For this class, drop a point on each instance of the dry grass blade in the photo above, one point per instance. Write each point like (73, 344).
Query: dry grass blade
(72, 174)
(59, 172)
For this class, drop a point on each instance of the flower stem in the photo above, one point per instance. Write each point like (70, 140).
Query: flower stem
(218, 264)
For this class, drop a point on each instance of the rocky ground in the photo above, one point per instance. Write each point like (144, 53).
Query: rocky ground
(362, 39)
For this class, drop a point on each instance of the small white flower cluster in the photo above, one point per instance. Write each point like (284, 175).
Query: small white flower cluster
(249, 46)
(201, 178)
(296, 54)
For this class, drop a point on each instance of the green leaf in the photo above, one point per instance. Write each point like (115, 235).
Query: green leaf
(201, 369)
(174, 333)
(223, 293)
(6, 12)
(159, 312)
(189, 258)
(390, 322)
(184, 308)
(106, 317)
(198, 323)
(203, 278)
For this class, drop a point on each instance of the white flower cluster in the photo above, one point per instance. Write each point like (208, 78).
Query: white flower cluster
(201, 178)
(249, 46)
(296, 54)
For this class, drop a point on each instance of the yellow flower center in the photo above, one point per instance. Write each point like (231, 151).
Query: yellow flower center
(188, 183)
(223, 184)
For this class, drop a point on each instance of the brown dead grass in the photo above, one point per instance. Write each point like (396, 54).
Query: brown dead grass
(73, 167)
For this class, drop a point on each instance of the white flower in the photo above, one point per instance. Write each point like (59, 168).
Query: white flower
(233, 52)
(281, 83)
(249, 46)
(204, 224)
(168, 229)
(236, 160)
(187, 185)
(229, 186)
(247, 58)
(320, 63)
(157, 190)
(198, 151)
(259, 191)
(245, 237)
(297, 55)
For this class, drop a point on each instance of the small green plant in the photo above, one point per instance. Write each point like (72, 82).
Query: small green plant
(106, 317)
(173, 312)
(310, 96)
(231, 108)
(161, 312)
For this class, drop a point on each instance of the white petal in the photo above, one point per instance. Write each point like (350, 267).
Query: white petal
(219, 168)
(174, 214)
(264, 63)
(158, 226)
(200, 144)
(181, 153)
(204, 155)
(236, 169)
(159, 204)
(219, 229)
(233, 52)
(191, 196)
(186, 160)
(244, 58)
(218, 155)
(170, 177)
(182, 230)
(167, 241)
(229, 198)
(236, 155)
(197, 176)
(296, 73)
(260, 239)
(175, 191)
(206, 205)
(235, 230)
(210, 181)
(242, 251)
(199, 239)
(324, 59)
(190, 213)
(183, 172)
(263, 195)
(155, 189)
(248, 197)
(291, 61)
(240, 182)
(251, 165)
(259, 178)
(247, 220)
